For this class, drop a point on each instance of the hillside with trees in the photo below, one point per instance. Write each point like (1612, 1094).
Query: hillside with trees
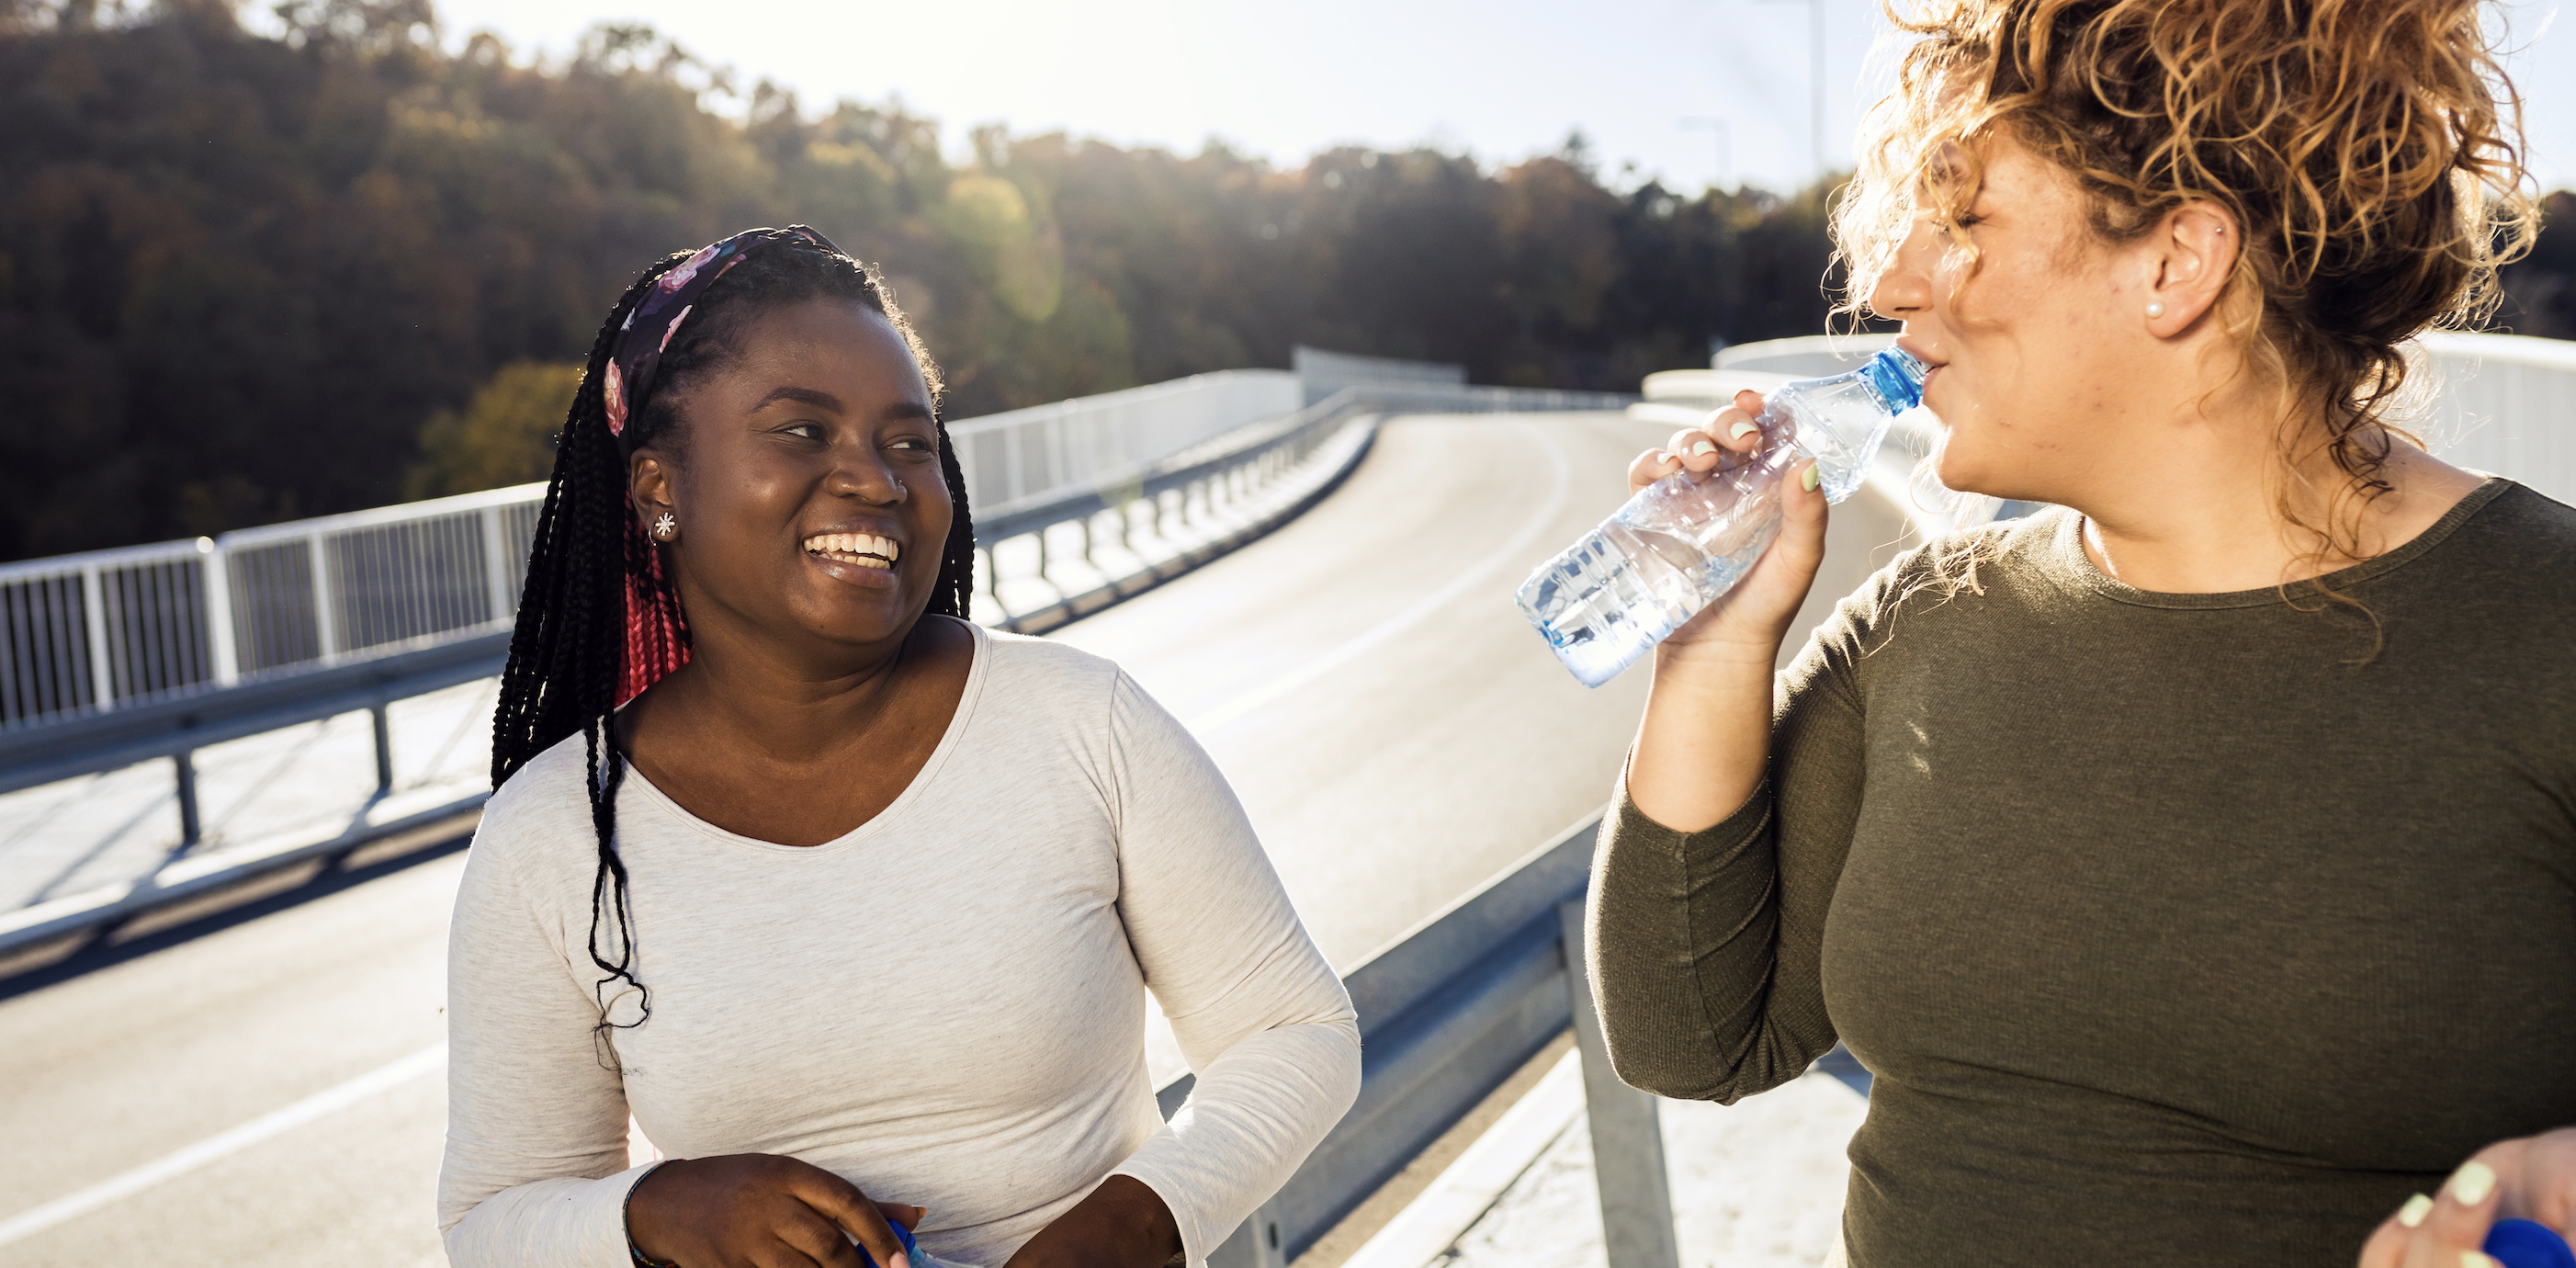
(247, 277)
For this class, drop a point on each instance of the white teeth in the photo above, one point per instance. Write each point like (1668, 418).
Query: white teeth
(862, 548)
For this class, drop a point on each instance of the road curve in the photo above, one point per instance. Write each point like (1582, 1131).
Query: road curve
(1394, 729)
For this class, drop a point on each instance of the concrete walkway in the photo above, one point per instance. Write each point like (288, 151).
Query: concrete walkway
(1757, 1184)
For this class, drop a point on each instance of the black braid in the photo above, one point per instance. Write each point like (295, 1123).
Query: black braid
(568, 651)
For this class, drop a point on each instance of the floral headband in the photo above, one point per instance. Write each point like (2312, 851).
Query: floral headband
(637, 356)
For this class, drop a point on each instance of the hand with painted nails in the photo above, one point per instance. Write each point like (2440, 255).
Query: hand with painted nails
(1705, 739)
(1754, 616)
(762, 1211)
(2533, 1178)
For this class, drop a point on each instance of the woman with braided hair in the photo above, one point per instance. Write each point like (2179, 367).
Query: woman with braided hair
(850, 903)
(2193, 863)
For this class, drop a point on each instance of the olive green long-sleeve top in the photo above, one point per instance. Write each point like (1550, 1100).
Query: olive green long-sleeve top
(2176, 928)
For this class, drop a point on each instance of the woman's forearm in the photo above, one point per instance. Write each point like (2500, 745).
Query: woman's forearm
(1122, 1224)
(1705, 738)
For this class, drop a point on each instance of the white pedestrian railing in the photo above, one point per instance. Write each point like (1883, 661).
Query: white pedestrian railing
(94, 632)
(1028, 457)
(2505, 404)
(86, 634)
(1325, 373)
(91, 633)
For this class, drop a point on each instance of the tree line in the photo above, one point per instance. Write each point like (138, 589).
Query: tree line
(247, 277)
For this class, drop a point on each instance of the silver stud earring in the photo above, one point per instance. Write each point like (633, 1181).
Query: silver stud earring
(2155, 309)
(665, 528)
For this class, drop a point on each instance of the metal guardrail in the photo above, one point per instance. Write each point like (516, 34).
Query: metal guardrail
(1446, 1013)
(1449, 1011)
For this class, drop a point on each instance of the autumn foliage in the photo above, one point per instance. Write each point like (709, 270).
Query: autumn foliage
(247, 277)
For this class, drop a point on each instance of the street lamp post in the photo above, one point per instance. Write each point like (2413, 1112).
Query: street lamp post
(1816, 78)
(1816, 84)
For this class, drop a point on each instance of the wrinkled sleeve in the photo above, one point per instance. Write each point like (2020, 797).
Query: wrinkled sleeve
(535, 1171)
(1260, 1015)
(1705, 947)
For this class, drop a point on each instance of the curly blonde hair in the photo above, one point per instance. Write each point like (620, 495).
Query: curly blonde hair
(2368, 148)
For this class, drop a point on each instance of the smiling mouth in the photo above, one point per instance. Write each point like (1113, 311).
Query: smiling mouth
(867, 550)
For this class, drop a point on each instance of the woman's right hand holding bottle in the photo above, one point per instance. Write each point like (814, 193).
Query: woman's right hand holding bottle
(761, 1209)
(1706, 737)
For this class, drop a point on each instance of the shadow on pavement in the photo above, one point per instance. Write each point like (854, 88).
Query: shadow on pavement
(161, 929)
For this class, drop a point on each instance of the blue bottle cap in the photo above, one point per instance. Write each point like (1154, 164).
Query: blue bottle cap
(1898, 377)
(2524, 1244)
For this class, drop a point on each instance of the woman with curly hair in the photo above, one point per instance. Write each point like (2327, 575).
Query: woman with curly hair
(851, 904)
(2193, 863)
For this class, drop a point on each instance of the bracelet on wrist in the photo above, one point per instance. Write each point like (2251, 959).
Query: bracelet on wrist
(626, 1225)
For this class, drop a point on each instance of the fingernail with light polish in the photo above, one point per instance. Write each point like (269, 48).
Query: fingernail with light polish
(1739, 431)
(2472, 1183)
(2412, 1214)
(1703, 447)
(1807, 479)
(2472, 1259)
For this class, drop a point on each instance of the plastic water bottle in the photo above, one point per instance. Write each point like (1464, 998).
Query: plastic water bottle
(1685, 540)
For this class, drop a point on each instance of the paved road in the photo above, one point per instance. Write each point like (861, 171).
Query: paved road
(1396, 732)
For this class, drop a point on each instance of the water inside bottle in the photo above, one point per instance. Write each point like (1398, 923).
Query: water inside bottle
(1595, 609)
(1621, 590)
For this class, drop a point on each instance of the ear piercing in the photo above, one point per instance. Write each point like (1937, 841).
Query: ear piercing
(2155, 309)
(665, 528)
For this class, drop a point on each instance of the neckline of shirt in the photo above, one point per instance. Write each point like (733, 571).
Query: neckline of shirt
(2066, 555)
(921, 779)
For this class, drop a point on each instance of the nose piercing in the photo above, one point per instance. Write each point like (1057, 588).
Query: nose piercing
(2154, 310)
(665, 528)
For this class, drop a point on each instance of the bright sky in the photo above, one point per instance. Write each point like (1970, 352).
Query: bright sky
(1691, 91)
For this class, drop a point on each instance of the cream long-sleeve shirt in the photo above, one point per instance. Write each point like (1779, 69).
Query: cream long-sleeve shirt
(945, 1006)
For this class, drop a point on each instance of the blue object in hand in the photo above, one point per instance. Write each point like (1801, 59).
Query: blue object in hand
(920, 1258)
(2524, 1244)
(912, 1249)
